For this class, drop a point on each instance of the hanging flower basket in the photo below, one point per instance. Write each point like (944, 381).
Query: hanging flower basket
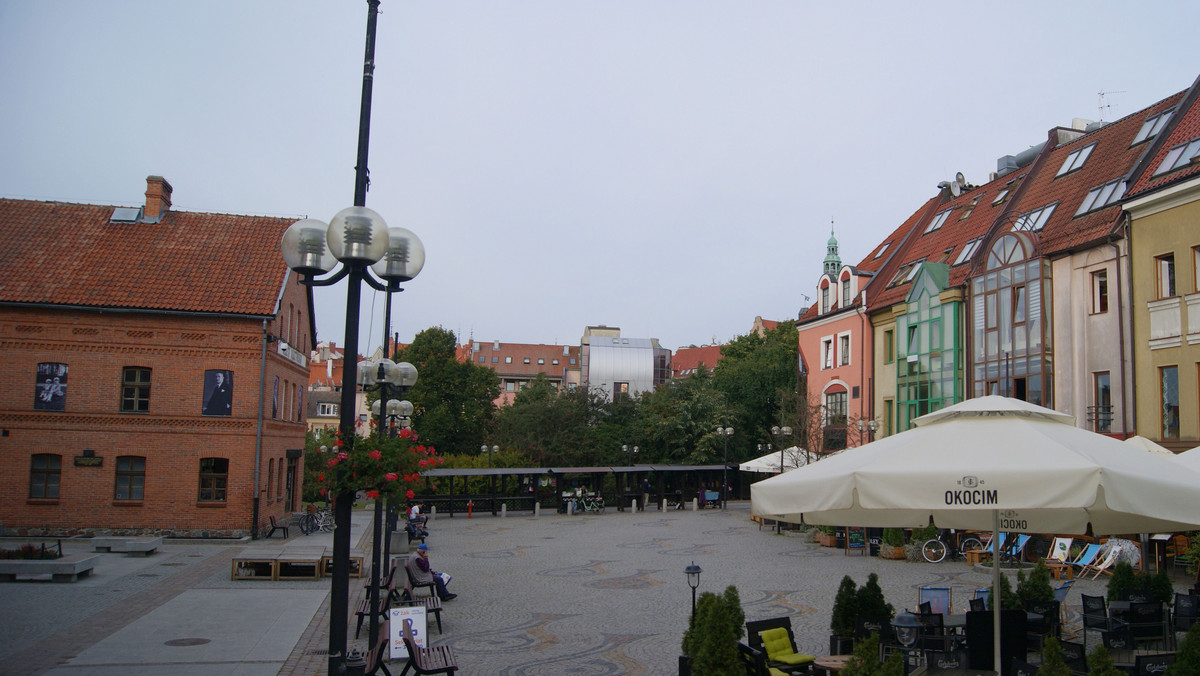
(388, 467)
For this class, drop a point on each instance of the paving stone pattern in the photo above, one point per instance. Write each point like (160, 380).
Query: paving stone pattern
(591, 594)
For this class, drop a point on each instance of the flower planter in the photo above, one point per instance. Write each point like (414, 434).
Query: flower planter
(827, 540)
(887, 551)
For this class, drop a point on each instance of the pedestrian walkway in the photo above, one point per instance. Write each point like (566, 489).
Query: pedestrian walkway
(587, 593)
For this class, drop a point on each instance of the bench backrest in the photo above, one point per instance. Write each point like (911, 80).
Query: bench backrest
(415, 654)
(376, 652)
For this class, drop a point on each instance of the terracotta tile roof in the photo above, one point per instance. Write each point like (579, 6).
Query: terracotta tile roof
(1111, 158)
(71, 254)
(686, 360)
(1186, 128)
(970, 215)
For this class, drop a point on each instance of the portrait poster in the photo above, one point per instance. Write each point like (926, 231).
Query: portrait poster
(50, 388)
(218, 392)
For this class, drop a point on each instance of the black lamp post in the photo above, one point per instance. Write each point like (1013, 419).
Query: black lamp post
(693, 579)
(488, 451)
(382, 375)
(358, 238)
(780, 432)
(629, 451)
(725, 433)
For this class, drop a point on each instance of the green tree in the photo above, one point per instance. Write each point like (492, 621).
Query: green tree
(1187, 660)
(754, 374)
(1053, 663)
(452, 400)
(677, 423)
(1100, 663)
(845, 608)
(553, 427)
(711, 641)
(1036, 588)
(865, 660)
(871, 602)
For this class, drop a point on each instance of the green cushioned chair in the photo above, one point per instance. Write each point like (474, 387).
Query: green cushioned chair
(779, 648)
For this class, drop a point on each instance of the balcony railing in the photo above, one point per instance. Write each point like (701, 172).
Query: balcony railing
(1100, 418)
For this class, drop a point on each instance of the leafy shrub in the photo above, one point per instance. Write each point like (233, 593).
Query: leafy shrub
(845, 608)
(712, 640)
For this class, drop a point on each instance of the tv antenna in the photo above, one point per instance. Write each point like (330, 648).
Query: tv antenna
(1101, 106)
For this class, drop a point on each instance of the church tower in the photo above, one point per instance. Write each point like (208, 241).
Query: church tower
(833, 262)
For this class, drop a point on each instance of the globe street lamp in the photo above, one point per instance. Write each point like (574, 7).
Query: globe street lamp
(358, 238)
(725, 433)
(780, 432)
(488, 451)
(629, 452)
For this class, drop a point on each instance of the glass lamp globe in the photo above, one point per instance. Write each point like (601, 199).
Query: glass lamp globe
(406, 408)
(406, 375)
(357, 234)
(304, 249)
(404, 258)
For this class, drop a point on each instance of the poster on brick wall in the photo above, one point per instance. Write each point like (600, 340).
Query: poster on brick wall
(218, 392)
(50, 389)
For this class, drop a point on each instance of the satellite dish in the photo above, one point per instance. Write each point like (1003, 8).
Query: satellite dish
(956, 189)
(960, 179)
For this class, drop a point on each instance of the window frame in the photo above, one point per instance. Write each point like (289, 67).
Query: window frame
(938, 221)
(128, 476)
(1152, 126)
(889, 346)
(1076, 160)
(1102, 420)
(826, 353)
(968, 251)
(844, 348)
(1179, 157)
(1164, 273)
(1099, 291)
(213, 480)
(1103, 195)
(1169, 425)
(52, 468)
(135, 394)
(1034, 220)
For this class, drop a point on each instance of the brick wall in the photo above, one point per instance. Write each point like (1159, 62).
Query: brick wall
(172, 435)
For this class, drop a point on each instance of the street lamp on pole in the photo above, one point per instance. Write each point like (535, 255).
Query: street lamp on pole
(725, 433)
(358, 238)
(629, 452)
(871, 427)
(488, 451)
(779, 433)
(693, 579)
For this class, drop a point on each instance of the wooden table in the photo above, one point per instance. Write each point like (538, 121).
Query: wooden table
(832, 664)
(1058, 568)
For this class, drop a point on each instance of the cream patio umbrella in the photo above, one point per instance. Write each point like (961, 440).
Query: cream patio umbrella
(1138, 441)
(990, 463)
(789, 458)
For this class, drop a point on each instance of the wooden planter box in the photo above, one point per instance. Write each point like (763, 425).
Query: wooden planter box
(887, 551)
(827, 540)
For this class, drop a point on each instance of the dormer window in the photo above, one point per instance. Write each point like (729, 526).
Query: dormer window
(846, 292)
(1075, 160)
(1152, 126)
(824, 299)
(937, 221)
(1102, 196)
(1179, 156)
(1033, 221)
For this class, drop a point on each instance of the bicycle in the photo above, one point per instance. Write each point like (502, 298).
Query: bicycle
(591, 504)
(936, 549)
(317, 519)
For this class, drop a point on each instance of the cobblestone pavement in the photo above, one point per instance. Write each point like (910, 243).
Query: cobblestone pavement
(586, 594)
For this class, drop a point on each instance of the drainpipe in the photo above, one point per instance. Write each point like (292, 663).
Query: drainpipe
(1130, 410)
(262, 388)
(862, 363)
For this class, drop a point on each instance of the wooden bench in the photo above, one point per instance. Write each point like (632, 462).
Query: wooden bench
(431, 660)
(375, 655)
(128, 545)
(413, 584)
(363, 609)
(431, 604)
(356, 565)
(64, 569)
(276, 527)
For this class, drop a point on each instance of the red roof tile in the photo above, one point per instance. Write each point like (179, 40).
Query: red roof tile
(1186, 129)
(1112, 158)
(688, 359)
(71, 254)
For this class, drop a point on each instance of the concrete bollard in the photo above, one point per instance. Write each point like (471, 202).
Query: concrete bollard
(662, 506)
(503, 510)
(633, 505)
(695, 505)
(432, 513)
(537, 509)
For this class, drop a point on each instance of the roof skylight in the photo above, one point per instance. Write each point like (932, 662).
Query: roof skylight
(1102, 196)
(1075, 160)
(1152, 126)
(1179, 156)
(937, 221)
(1035, 220)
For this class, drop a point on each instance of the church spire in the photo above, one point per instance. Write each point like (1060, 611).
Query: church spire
(833, 262)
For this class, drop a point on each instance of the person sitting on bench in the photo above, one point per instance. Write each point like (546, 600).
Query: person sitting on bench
(415, 517)
(423, 574)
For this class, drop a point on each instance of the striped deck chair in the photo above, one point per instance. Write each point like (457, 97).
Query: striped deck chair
(1017, 548)
(990, 549)
(1085, 559)
(1106, 561)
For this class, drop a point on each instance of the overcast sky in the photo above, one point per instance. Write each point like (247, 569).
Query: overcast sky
(670, 167)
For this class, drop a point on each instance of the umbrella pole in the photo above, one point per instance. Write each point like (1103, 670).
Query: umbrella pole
(996, 590)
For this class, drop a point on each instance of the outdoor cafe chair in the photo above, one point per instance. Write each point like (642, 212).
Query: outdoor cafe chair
(1095, 615)
(1186, 611)
(1085, 558)
(939, 599)
(1148, 623)
(1152, 665)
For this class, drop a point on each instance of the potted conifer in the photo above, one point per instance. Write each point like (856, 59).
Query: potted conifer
(710, 644)
(893, 544)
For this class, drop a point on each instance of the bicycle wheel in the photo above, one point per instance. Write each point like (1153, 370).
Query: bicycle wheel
(969, 545)
(306, 524)
(326, 522)
(934, 550)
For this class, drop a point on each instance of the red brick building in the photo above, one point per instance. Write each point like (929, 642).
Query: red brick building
(155, 363)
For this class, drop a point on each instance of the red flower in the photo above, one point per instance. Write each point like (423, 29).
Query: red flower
(372, 494)
(342, 456)
(405, 433)
(333, 462)
(421, 449)
(391, 476)
(338, 443)
(322, 491)
(321, 476)
(376, 454)
(409, 494)
(422, 462)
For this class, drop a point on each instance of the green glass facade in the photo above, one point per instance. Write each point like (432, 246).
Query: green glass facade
(929, 349)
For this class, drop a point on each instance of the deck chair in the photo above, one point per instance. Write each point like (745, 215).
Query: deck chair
(774, 637)
(1103, 563)
(1057, 559)
(1016, 549)
(1086, 558)
(938, 599)
(1060, 595)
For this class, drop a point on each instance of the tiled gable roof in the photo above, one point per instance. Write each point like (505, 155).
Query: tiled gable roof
(1186, 129)
(1111, 158)
(686, 360)
(71, 254)
(970, 216)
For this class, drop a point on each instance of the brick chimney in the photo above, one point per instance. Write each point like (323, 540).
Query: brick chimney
(158, 198)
